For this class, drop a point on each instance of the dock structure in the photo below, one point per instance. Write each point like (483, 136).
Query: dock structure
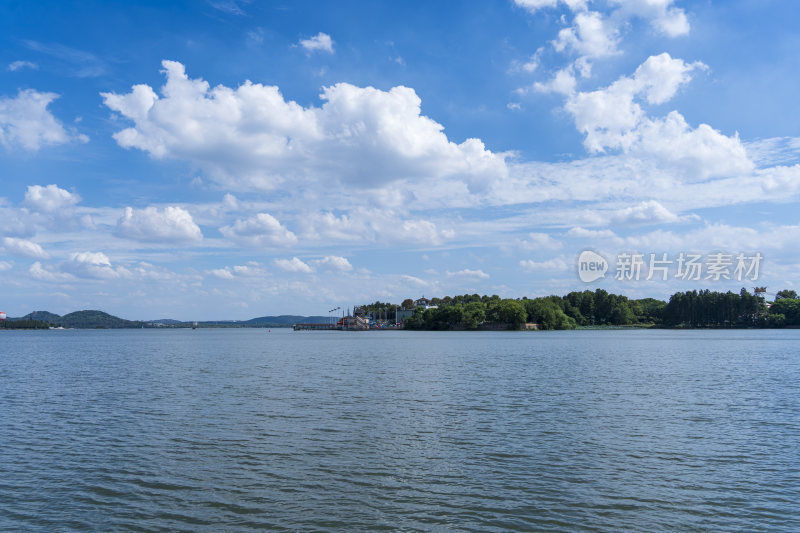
(348, 323)
(358, 321)
(316, 327)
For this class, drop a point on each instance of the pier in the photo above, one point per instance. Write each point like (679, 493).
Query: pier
(316, 327)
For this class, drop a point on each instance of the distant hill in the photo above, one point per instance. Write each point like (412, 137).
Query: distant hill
(43, 316)
(81, 319)
(93, 319)
(284, 320)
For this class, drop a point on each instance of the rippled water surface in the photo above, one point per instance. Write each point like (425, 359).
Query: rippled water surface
(247, 430)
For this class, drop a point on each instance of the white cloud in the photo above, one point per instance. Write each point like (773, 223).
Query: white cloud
(334, 262)
(149, 272)
(666, 19)
(151, 224)
(90, 265)
(591, 36)
(702, 152)
(529, 65)
(37, 271)
(259, 230)
(554, 265)
(222, 273)
(413, 280)
(583, 233)
(251, 138)
(540, 241)
(374, 225)
(25, 122)
(594, 35)
(321, 42)
(563, 82)
(612, 118)
(608, 116)
(5, 265)
(647, 212)
(18, 65)
(534, 5)
(250, 270)
(662, 15)
(467, 273)
(22, 247)
(50, 199)
(293, 265)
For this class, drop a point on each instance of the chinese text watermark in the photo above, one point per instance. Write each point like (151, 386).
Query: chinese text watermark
(686, 266)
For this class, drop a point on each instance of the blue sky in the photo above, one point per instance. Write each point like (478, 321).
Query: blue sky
(232, 159)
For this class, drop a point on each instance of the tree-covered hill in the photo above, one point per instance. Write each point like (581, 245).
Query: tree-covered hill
(43, 316)
(92, 319)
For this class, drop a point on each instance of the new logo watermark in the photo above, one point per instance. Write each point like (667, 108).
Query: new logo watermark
(591, 266)
(717, 266)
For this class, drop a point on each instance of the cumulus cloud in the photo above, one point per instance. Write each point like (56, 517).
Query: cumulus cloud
(25, 248)
(251, 270)
(563, 82)
(89, 265)
(540, 241)
(321, 42)
(251, 137)
(591, 36)
(583, 233)
(647, 212)
(50, 199)
(467, 273)
(554, 265)
(293, 265)
(168, 225)
(612, 117)
(5, 265)
(26, 122)
(607, 116)
(375, 225)
(37, 271)
(665, 18)
(701, 152)
(662, 15)
(259, 230)
(333, 262)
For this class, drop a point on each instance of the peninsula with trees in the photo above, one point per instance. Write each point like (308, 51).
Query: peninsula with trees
(593, 309)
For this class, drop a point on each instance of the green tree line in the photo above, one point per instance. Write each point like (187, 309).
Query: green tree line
(703, 308)
(24, 324)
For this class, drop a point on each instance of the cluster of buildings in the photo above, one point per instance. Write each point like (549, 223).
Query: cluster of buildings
(360, 320)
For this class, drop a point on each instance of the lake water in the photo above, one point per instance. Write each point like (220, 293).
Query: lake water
(249, 430)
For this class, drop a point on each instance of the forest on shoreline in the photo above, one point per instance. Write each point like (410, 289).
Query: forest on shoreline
(598, 308)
